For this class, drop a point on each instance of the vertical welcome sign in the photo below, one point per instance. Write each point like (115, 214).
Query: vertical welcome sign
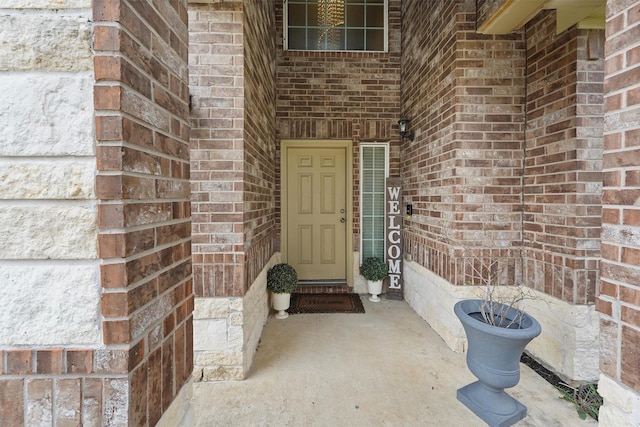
(394, 237)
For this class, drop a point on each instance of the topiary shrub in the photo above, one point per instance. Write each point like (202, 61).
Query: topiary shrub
(374, 269)
(282, 279)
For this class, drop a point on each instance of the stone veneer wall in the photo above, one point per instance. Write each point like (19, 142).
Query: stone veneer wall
(141, 101)
(51, 355)
(232, 61)
(619, 296)
(341, 95)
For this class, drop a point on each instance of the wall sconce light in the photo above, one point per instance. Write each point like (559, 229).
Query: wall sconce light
(404, 126)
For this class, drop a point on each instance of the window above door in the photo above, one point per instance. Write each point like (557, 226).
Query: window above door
(336, 25)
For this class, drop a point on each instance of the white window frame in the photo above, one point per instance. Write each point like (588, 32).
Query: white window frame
(285, 32)
(364, 145)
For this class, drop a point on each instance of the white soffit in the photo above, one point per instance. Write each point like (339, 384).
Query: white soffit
(513, 14)
(585, 15)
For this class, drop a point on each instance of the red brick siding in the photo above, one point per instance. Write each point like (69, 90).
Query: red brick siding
(340, 95)
(217, 149)
(563, 178)
(260, 236)
(465, 94)
(619, 299)
(232, 144)
(142, 129)
(71, 378)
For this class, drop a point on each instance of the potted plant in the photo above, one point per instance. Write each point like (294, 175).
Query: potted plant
(374, 269)
(497, 332)
(281, 281)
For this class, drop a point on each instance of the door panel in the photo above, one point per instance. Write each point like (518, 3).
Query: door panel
(316, 212)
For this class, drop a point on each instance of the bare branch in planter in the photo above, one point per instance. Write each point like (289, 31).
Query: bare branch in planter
(500, 307)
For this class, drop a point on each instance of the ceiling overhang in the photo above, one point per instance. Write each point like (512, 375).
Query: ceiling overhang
(513, 14)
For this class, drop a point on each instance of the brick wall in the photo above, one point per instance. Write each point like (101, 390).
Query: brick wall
(232, 59)
(217, 167)
(462, 173)
(563, 178)
(341, 95)
(142, 130)
(619, 297)
(232, 144)
(260, 234)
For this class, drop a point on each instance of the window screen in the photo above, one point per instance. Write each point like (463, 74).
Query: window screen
(336, 25)
(373, 181)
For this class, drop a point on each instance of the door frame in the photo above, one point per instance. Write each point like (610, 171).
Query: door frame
(347, 145)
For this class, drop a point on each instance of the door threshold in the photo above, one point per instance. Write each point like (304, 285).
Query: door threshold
(321, 282)
(322, 287)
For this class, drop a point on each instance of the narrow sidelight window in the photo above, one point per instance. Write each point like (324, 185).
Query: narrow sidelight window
(374, 171)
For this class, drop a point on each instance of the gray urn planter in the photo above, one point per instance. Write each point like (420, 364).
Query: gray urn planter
(493, 356)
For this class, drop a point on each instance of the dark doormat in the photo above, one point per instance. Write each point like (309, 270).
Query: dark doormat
(325, 303)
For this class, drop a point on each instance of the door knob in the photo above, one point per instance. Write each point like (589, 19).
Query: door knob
(342, 220)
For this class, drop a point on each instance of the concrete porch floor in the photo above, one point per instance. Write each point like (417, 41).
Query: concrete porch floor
(382, 368)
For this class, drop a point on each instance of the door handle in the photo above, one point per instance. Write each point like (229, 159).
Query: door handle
(342, 220)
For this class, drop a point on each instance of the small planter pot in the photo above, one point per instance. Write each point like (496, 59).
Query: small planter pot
(375, 289)
(281, 303)
(493, 356)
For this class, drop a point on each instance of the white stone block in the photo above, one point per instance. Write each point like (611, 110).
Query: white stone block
(50, 304)
(433, 299)
(46, 4)
(621, 406)
(46, 41)
(211, 358)
(236, 319)
(569, 340)
(70, 178)
(46, 114)
(616, 395)
(567, 345)
(236, 338)
(211, 308)
(236, 304)
(48, 231)
(209, 335)
(222, 373)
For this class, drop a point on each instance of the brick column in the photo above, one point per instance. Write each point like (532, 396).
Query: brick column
(144, 232)
(619, 296)
(462, 173)
(233, 177)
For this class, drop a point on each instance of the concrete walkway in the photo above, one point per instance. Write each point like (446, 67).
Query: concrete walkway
(383, 368)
